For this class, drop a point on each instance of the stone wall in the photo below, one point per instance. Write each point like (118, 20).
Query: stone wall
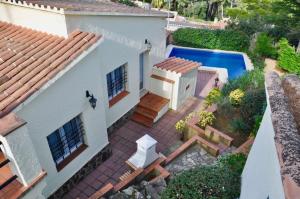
(99, 158)
(291, 86)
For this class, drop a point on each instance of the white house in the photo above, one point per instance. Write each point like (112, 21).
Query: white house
(272, 169)
(69, 70)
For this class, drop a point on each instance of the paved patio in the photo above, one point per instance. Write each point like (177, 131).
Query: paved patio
(205, 82)
(123, 146)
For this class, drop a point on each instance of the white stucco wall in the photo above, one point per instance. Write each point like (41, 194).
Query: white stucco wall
(36, 191)
(124, 39)
(261, 176)
(177, 92)
(186, 80)
(19, 150)
(62, 101)
(42, 20)
(163, 88)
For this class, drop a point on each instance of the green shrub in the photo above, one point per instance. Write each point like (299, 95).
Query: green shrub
(250, 80)
(257, 61)
(250, 107)
(257, 122)
(209, 182)
(157, 3)
(288, 58)
(212, 39)
(212, 97)
(235, 162)
(264, 46)
(225, 107)
(238, 125)
(236, 96)
(190, 116)
(206, 118)
(180, 125)
(127, 2)
(253, 104)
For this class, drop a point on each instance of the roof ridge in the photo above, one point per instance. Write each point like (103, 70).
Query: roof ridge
(24, 3)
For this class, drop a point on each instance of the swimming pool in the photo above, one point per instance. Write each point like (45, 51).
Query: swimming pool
(233, 62)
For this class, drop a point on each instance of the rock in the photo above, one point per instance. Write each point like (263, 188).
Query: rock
(159, 182)
(139, 195)
(154, 189)
(144, 183)
(129, 191)
(119, 195)
(203, 152)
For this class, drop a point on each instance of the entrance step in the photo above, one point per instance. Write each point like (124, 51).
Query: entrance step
(153, 102)
(139, 118)
(150, 109)
(146, 112)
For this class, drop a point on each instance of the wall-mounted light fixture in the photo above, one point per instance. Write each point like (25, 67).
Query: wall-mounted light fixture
(92, 99)
(217, 82)
(148, 44)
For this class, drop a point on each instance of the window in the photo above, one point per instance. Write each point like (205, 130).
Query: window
(66, 140)
(116, 81)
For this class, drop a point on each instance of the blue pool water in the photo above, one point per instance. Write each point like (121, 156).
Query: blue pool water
(234, 63)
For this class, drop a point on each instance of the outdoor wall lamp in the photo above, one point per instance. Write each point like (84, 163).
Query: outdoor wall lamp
(148, 44)
(217, 82)
(92, 99)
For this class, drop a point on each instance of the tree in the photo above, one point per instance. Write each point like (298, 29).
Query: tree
(287, 14)
(279, 18)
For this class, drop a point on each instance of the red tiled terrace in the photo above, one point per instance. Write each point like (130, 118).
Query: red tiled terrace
(123, 146)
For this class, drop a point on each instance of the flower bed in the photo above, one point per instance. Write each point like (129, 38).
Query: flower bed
(209, 133)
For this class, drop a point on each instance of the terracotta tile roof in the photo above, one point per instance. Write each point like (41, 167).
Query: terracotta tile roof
(97, 6)
(28, 59)
(177, 65)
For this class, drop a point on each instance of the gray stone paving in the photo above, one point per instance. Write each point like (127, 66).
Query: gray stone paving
(191, 158)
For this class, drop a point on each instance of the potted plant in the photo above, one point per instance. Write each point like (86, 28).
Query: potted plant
(180, 126)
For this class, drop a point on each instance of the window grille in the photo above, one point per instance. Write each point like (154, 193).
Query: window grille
(116, 81)
(66, 139)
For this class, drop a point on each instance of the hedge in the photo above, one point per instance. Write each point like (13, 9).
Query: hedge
(288, 58)
(212, 39)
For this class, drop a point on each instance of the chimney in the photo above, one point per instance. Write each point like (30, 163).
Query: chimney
(146, 152)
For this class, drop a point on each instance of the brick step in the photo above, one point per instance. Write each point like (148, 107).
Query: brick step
(146, 112)
(153, 102)
(7, 181)
(125, 175)
(141, 119)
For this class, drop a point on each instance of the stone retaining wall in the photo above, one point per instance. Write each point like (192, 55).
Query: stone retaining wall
(291, 86)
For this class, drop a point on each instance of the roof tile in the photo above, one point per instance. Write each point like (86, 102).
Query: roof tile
(177, 65)
(28, 59)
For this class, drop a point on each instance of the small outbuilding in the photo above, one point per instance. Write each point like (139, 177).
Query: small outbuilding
(174, 79)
